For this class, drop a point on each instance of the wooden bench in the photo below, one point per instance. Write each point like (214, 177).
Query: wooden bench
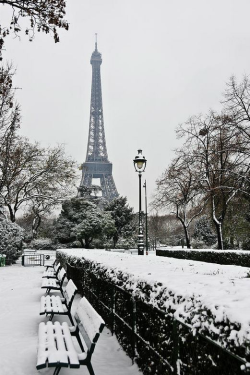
(55, 305)
(51, 265)
(54, 284)
(52, 274)
(56, 346)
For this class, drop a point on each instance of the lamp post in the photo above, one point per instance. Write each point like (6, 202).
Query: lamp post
(140, 165)
(146, 215)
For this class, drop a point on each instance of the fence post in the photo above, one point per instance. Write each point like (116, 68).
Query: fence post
(134, 330)
(83, 280)
(175, 347)
(41, 259)
(113, 296)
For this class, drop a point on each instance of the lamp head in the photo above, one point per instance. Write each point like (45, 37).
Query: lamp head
(140, 162)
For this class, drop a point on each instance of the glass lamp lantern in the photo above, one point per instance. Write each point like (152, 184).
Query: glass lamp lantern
(140, 162)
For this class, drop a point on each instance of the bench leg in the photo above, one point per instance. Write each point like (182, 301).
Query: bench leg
(51, 317)
(71, 319)
(79, 341)
(57, 370)
(90, 368)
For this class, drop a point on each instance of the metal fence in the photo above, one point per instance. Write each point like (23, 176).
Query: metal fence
(33, 259)
(159, 343)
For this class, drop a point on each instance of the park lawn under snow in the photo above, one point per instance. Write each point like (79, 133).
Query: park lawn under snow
(223, 289)
(20, 293)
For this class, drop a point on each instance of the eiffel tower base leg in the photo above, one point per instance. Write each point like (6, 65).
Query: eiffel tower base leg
(107, 183)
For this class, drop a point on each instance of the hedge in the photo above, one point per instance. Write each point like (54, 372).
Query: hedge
(178, 348)
(233, 257)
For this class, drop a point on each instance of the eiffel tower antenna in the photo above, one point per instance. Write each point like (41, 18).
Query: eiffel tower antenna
(97, 164)
(96, 41)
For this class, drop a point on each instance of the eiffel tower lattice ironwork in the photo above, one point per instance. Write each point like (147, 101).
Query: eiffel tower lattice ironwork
(97, 164)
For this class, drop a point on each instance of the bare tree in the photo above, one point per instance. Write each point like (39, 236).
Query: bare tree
(216, 152)
(44, 16)
(237, 106)
(178, 189)
(9, 120)
(37, 176)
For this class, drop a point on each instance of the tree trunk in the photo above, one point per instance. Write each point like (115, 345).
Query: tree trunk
(115, 240)
(187, 237)
(35, 225)
(87, 242)
(218, 227)
(12, 214)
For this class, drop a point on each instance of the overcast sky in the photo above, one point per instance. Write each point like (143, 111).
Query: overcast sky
(163, 61)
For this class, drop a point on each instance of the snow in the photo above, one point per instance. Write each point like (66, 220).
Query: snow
(186, 286)
(20, 295)
(52, 304)
(70, 290)
(90, 318)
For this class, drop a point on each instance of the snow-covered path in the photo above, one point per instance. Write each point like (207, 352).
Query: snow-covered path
(20, 294)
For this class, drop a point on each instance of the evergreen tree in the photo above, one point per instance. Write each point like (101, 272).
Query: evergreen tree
(83, 220)
(204, 232)
(123, 216)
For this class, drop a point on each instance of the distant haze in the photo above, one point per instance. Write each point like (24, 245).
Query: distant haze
(163, 61)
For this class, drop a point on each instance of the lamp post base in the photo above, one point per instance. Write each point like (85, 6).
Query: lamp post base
(140, 244)
(140, 250)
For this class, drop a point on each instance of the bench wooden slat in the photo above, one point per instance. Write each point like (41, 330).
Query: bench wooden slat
(56, 346)
(62, 355)
(51, 304)
(53, 283)
(48, 283)
(42, 347)
(91, 321)
(49, 275)
(52, 274)
(57, 305)
(73, 356)
(53, 265)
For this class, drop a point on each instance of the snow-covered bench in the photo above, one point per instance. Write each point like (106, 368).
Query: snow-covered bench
(54, 284)
(51, 265)
(56, 346)
(55, 305)
(52, 274)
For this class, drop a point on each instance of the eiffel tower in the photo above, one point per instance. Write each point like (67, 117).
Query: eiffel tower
(97, 165)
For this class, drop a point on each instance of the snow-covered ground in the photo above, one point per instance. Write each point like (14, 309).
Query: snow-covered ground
(20, 293)
(223, 289)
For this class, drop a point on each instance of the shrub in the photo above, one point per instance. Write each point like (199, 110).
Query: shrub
(149, 309)
(11, 240)
(42, 244)
(235, 257)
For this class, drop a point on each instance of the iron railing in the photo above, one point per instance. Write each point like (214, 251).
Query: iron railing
(159, 343)
(33, 260)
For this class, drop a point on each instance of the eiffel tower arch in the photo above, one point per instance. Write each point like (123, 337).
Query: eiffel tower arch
(97, 164)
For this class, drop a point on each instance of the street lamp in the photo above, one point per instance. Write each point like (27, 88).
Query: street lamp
(146, 216)
(140, 165)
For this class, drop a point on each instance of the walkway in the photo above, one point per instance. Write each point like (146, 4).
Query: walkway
(20, 294)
